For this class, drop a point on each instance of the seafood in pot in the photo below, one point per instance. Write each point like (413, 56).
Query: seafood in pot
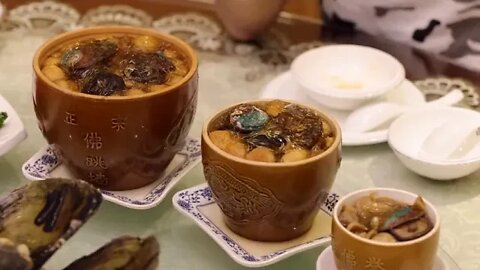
(42, 215)
(148, 67)
(248, 118)
(385, 219)
(272, 131)
(272, 140)
(302, 126)
(101, 82)
(127, 253)
(116, 65)
(75, 61)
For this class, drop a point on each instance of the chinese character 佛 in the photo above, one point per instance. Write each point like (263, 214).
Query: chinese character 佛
(95, 162)
(93, 141)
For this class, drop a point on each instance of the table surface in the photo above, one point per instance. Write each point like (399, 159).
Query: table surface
(234, 73)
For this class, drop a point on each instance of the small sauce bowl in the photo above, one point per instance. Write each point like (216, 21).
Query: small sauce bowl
(346, 76)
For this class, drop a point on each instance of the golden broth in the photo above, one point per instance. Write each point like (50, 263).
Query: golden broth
(274, 131)
(121, 58)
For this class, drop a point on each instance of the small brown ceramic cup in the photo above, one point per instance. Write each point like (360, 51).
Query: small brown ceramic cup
(116, 143)
(269, 201)
(353, 252)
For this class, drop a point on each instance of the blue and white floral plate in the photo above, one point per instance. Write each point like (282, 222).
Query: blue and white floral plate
(198, 204)
(46, 163)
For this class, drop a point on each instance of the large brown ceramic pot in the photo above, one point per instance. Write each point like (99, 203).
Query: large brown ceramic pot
(353, 252)
(116, 143)
(269, 201)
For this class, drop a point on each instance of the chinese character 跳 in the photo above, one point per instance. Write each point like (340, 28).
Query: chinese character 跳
(93, 141)
(118, 123)
(95, 161)
(70, 119)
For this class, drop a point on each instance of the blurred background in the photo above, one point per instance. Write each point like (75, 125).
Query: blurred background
(309, 8)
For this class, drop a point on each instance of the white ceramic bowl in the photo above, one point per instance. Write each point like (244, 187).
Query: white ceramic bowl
(346, 76)
(428, 142)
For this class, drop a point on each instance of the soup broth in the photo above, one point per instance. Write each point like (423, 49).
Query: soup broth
(274, 131)
(384, 219)
(116, 65)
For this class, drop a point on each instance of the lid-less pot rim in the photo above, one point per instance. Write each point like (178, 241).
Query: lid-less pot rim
(312, 159)
(64, 38)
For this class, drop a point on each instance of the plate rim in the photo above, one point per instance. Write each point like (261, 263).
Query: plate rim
(220, 242)
(378, 137)
(15, 136)
(179, 173)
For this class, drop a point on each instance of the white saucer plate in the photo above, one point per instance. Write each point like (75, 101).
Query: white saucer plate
(46, 163)
(326, 261)
(285, 87)
(13, 132)
(197, 203)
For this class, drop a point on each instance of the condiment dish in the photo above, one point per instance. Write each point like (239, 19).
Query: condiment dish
(346, 76)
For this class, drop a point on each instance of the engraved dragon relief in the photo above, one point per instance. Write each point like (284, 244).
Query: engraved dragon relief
(240, 198)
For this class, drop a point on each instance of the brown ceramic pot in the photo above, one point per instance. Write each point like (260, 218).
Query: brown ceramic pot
(353, 252)
(269, 201)
(116, 143)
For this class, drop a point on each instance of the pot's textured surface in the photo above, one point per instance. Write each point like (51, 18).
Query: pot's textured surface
(116, 143)
(269, 201)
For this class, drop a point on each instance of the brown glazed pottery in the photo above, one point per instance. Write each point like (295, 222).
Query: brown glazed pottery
(269, 201)
(353, 252)
(116, 143)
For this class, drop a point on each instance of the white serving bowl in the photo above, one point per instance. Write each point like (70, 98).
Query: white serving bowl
(346, 76)
(423, 140)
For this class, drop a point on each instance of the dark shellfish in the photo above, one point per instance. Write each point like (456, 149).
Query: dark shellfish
(302, 126)
(36, 219)
(248, 118)
(127, 253)
(77, 60)
(44, 214)
(272, 140)
(147, 67)
(101, 82)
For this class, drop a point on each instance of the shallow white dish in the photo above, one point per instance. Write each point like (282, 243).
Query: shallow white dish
(198, 204)
(46, 163)
(410, 137)
(326, 261)
(346, 76)
(13, 132)
(284, 87)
